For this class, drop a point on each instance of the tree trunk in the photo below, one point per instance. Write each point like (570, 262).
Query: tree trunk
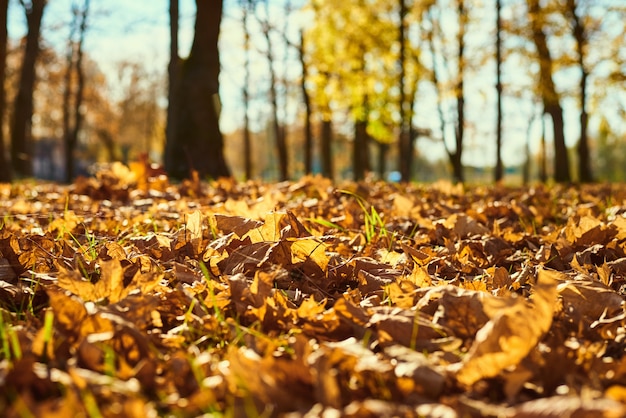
(72, 130)
(549, 94)
(21, 141)
(561, 160)
(499, 171)
(5, 168)
(326, 148)
(405, 141)
(198, 143)
(383, 150)
(308, 130)
(359, 149)
(281, 144)
(173, 91)
(247, 142)
(585, 174)
(584, 155)
(67, 96)
(414, 132)
(457, 165)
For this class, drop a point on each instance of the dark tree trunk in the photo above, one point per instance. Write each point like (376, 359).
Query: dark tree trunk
(457, 168)
(456, 157)
(247, 142)
(198, 143)
(72, 130)
(281, 144)
(326, 148)
(383, 150)
(499, 171)
(21, 141)
(585, 174)
(360, 154)
(406, 153)
(413, 132)
(308, 130)
(5, 168)
(173, 91)
(359, 149)
(561, 159)
(549, 94)
(67, 94)
(405, 141)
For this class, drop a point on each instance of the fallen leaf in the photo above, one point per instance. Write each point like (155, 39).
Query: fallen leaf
(510, 334)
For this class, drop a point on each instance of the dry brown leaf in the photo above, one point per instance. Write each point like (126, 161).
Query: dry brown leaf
(284, 323)
(193, 224)
(510, 334)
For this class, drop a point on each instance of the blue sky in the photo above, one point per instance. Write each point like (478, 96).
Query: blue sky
(118, 29)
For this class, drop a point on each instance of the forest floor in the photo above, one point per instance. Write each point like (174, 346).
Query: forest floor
(125, 295)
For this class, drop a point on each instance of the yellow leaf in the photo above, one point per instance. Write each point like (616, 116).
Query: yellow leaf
(270, 230)
(194, 226)
(420, 277)
(111, 283)
(309, 248)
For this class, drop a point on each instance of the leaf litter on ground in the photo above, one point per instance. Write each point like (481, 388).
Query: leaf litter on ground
(125, 295)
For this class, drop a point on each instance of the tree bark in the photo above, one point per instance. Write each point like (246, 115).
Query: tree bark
(247, 142)
(383, 150)
(326, 148)
(499, 171)
(67, 93)
(360, 157)
(405, 141)
(360, 154)
(198, 143)
(280, 140)
(72, 129)
(173, 91)
(414, 132)
(308, 130)
(457, 165)
(585, 174)
(21, 140)
(5, 168)
(550, 96)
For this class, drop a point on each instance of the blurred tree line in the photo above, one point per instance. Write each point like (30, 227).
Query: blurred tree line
(58, 111)
(337, 88)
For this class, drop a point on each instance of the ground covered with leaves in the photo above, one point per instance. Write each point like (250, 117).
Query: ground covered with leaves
(125, 295)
